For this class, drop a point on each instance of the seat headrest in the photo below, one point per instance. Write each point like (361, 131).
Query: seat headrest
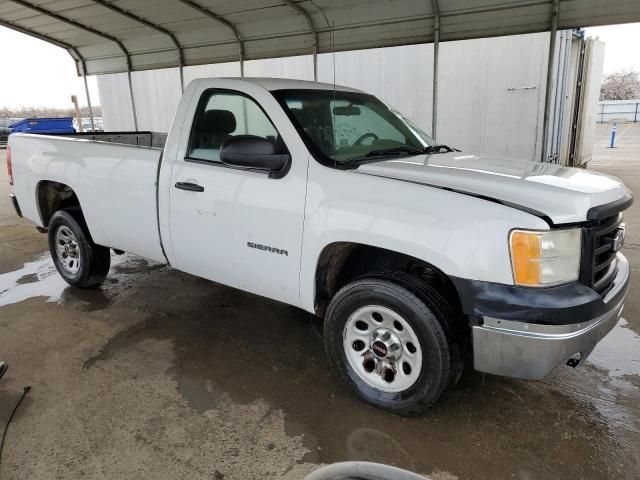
(219, 121)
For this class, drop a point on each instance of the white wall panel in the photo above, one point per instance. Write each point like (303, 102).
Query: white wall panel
(116, 102)
(491, 94)
(158, 97)
(491, 97)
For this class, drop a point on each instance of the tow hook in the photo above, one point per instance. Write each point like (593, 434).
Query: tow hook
(574, 360)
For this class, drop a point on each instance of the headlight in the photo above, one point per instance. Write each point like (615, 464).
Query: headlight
(540, 259)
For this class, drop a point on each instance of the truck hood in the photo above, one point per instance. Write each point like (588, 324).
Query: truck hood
(562, 194)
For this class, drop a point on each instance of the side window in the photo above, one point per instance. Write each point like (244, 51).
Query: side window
(223, 115)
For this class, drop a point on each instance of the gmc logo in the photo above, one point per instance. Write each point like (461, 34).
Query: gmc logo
(380, 349)
(618, 240)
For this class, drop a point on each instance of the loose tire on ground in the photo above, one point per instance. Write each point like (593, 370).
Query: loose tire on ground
(391, 307)
(80, 262)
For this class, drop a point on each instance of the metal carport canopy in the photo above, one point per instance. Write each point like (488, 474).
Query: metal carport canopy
(122, 35)
(112, 36)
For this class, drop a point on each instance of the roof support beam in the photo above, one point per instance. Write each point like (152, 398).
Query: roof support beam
(555, 10)
(225, 22)
(436, 52)
(312, 29)
(93, 31)
(153, 26)
(133, 101)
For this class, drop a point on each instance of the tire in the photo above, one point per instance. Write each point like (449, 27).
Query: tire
(380, 300)
(83, 264)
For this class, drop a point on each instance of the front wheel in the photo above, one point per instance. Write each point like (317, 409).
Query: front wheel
(389, 345)
(79, 261)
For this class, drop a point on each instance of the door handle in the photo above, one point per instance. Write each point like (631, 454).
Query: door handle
(191, 187)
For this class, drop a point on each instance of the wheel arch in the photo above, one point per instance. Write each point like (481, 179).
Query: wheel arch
(341, 262)
(52, 196)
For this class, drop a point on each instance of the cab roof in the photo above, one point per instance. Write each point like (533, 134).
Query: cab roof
(272, 84)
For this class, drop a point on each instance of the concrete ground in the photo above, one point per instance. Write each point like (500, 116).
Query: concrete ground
(162, 375)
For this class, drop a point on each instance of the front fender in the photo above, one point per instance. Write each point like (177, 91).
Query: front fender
(462, 235)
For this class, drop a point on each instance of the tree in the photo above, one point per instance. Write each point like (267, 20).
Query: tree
(623, 85)
(40, 112)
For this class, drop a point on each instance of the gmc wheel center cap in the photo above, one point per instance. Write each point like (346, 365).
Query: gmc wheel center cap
(386, 345)
(379, 349)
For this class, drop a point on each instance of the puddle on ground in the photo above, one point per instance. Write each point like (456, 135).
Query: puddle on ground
(40, 278)
(619, 352)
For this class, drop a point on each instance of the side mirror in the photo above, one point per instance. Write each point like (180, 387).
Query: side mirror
(249, 151)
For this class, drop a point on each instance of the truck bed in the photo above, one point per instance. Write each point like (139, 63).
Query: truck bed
(113, 174)
(141, 139)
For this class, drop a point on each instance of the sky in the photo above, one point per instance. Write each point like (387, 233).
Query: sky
(35, 73)
(621, 41)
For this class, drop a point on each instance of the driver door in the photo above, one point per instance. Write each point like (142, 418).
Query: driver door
(234, 226)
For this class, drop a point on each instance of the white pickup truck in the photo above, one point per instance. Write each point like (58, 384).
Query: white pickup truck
(324, 198)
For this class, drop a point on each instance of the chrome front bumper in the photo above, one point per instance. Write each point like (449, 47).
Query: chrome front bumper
(532, 351)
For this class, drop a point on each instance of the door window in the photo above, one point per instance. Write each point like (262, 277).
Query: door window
(223, 115)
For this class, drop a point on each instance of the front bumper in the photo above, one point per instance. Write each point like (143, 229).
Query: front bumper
(517, 348)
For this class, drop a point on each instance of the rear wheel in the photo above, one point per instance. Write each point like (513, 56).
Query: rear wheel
(79, 261)
(389, 344)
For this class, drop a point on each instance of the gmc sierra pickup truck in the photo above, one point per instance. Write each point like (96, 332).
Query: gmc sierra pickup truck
(325, 198)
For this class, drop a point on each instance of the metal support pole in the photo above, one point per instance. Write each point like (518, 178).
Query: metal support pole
(547, 98)
(436, 49)
(86, 89)
(133, 102)
(635, 115)
(315, 62)
(312, 30)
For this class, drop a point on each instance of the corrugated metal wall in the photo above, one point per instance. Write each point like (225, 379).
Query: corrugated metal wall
(491, 91)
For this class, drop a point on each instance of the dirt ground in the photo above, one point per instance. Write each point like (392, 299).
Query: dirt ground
(162, 375)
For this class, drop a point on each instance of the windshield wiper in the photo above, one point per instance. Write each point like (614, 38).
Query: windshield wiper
(406, 151)
(439, 148)
(394, 151)
(385, 152)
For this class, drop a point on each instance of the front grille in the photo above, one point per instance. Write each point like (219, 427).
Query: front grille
(598, 268)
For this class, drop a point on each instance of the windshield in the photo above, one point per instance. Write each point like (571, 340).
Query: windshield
(340, 127)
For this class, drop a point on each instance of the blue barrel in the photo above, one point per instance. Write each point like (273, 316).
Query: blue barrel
(44, 125)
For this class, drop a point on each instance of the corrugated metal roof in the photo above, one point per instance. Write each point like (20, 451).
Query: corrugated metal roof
(105, 35)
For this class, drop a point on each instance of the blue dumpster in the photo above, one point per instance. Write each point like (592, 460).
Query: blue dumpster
(44, 125)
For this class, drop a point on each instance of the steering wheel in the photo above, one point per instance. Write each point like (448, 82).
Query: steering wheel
(364, 137)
